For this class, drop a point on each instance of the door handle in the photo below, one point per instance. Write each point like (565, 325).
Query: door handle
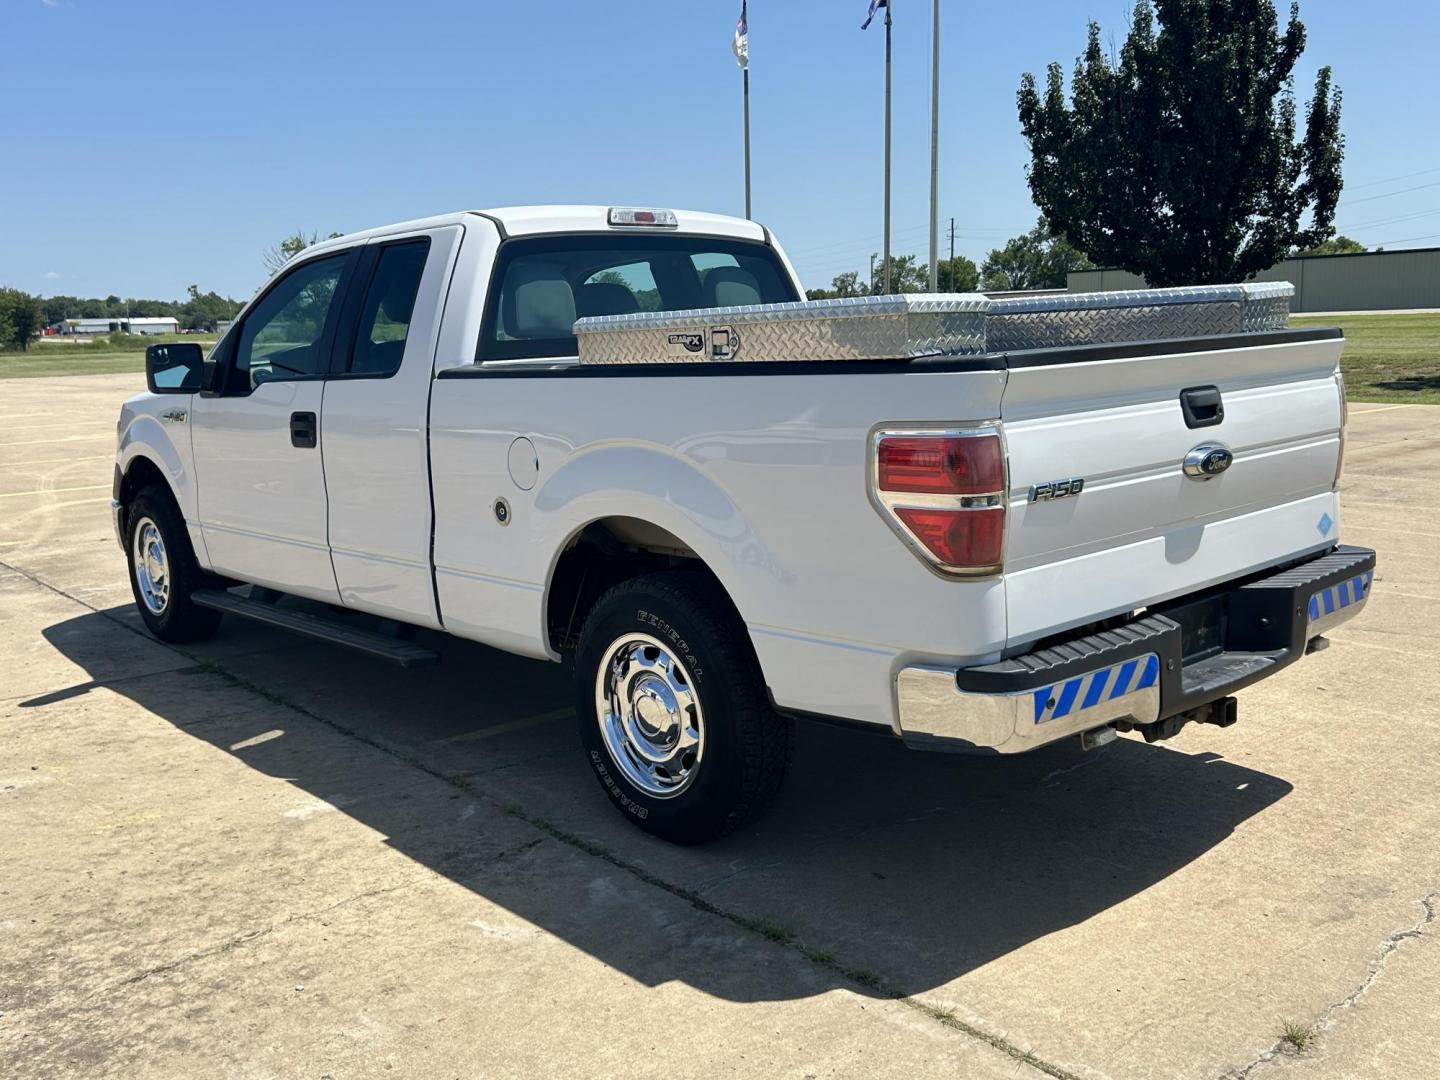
(304, 431)
(1202, 406)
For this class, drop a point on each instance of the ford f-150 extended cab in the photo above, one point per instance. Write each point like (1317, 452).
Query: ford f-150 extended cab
(620, 437)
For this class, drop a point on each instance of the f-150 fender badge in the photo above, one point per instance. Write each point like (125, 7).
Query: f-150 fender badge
(1057, 489)
(684, 344)
(1207, 460)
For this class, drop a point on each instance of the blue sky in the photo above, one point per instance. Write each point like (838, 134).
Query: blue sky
(152, 144)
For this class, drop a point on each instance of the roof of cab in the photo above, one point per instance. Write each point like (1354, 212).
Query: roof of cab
(529, 220)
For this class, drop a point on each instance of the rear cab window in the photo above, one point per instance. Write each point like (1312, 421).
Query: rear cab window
(541, 285)
(379, 344)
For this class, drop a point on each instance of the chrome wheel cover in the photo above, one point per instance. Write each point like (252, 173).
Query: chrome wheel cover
(152, 568)
(649, 715)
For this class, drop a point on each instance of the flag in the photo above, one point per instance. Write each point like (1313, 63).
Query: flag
(741, 45)
(875, 5)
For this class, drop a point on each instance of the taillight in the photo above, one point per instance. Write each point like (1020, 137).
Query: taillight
(943, 465)
(944, 493)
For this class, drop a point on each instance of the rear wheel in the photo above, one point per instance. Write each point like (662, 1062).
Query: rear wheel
(164, 570)
(672, 709)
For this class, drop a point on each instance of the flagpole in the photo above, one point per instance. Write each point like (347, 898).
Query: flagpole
(935, 150)
(745, 17)
(888, 7)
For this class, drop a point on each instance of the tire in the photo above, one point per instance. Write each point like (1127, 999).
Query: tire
(163, 579)
(665, 670)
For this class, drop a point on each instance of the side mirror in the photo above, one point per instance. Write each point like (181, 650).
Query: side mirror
(174, 368)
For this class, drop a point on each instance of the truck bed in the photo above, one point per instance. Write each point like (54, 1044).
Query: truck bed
(756, 461)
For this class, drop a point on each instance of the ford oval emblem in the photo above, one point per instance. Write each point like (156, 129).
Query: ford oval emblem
(1207, 460)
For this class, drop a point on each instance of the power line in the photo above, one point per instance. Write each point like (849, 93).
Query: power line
(1392, 179)
(841, 248)
(1391, 194)
(1390, 220)
(851, 242)
(1408, 239)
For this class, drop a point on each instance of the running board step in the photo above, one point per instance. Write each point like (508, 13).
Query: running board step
(404, 653)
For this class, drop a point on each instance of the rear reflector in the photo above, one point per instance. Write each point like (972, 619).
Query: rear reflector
(644, 218)
(948, 465)
(958, 538)
(944, 492)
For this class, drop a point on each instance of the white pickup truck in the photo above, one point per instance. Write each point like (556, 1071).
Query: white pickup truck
(619, 437)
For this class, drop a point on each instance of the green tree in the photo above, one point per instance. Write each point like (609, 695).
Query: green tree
(1178, 159)
(907, 275)
(201, 311)
(57, 308)
(957, 275)
(20, 318)
(277, 256)
(1336, 245)
(1035, 260)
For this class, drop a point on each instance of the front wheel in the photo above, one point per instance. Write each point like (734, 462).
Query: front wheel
(164, 570)
(673, 712)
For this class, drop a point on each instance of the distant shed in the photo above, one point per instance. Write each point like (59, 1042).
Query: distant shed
(156, 324)
(1364, 281)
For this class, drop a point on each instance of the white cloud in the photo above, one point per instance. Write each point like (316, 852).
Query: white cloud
(51, 275)
(51, 3)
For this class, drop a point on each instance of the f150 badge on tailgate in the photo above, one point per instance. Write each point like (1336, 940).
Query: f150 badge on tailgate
(1057, 489)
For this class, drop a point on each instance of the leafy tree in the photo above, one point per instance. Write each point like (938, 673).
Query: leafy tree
(20, 318)
(200, 311)
(1336, 245)
(907, 275)
(57, 308)
(957, 275)
(203, 310)
(1178, 159)
(277, 256)
(1035, 260)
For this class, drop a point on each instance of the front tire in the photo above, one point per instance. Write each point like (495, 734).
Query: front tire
(164, 570)
(673, 712)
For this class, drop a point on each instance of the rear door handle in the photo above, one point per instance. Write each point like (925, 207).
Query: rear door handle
(304, 431)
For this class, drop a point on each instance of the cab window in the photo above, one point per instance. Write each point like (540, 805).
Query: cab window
(543, 284)
(282, 337)
(389, 303)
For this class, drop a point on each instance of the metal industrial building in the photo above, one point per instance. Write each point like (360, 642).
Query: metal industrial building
(160, 324)
(1367, 281)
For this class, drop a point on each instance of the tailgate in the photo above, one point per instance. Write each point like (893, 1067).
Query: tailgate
(1141, 530)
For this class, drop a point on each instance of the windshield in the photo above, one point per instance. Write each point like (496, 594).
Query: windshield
(546, 283)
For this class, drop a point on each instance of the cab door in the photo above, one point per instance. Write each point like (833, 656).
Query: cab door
(256, 436)
(375, 426)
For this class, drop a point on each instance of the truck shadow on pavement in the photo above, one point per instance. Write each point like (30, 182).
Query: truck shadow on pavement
(891, 871)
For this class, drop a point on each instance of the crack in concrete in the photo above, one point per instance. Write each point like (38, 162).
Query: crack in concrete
(785, 939)
(248, 936)
(1327, 1018)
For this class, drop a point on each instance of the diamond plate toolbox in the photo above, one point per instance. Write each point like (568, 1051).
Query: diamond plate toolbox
(909, 326)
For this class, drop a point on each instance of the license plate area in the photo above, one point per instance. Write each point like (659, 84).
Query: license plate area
(1203, 626)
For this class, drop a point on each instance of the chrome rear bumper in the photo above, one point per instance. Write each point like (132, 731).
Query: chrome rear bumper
(1171, 660)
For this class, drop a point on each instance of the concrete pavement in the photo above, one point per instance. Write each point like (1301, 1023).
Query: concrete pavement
(265, 857)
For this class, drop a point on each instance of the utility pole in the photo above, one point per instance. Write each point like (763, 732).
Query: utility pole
(952, 255)
(889, 7)
(872, 272)
(934, 144)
